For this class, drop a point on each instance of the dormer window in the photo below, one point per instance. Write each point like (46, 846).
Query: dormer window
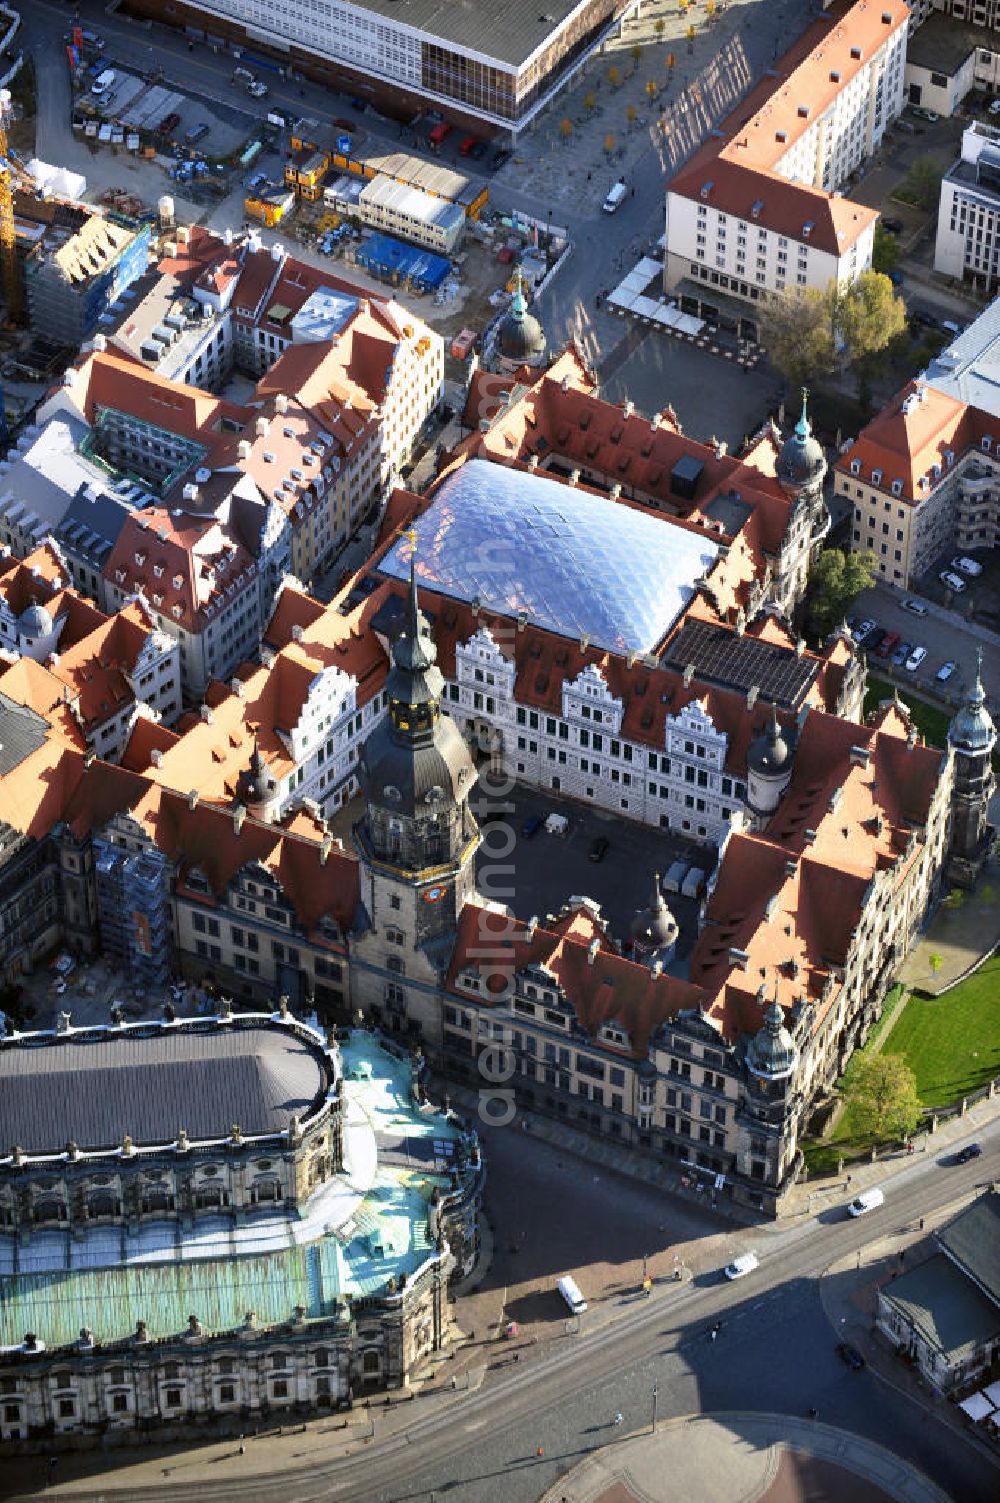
(140, 558)
(876, 477)
(987, 443)
(855, 467)
(158, 570)
(897, 487)
(175, 611)
(178, 581)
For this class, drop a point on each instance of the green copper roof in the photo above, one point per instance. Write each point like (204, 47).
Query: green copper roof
(385, 1235)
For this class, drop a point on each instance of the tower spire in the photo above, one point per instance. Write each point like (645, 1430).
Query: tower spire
(803, 427)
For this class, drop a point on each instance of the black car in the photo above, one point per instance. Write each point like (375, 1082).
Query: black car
(501, 156)
(850, 1355)
(970, 1151)
(925, 320)
(894, 226)
(600, 848)
(875, 639)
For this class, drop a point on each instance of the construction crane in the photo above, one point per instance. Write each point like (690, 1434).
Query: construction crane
(9, 268)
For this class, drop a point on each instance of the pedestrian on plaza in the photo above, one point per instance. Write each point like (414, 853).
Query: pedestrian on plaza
(618, 1419)
(589, 176)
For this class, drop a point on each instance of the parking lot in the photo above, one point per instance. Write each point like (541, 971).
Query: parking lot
(946, 636)
(543, 870)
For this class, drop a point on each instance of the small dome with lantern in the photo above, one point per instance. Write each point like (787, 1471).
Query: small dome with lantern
(801, 462)
(972, 729)
(522, 338)
(772, 1053)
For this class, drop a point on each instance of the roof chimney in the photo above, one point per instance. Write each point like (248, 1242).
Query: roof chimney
(243, 448)
(281, 402)
(239, 815)
(193, 799)
(688, 674)
(532, 926)
(592, 950)
(752, 694)
(262, 427)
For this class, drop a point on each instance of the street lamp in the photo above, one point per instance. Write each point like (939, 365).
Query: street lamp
(655, 1392)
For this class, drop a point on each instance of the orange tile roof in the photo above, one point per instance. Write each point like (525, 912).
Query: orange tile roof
(603, 986)
(912, 435)
(790, 899)
(740, 162)
(197, 559)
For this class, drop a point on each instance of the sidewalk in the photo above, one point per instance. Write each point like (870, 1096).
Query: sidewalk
(848, 1291)
(744, 1456)
(563, 157)
(810, 1196)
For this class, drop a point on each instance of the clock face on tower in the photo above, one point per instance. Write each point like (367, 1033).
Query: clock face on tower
(434, 894)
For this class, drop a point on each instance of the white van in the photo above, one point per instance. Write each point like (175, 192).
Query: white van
(868, 1200)
(102, 83)
(570, 1291)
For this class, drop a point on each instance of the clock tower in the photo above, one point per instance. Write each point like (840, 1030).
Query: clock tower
(416, 841)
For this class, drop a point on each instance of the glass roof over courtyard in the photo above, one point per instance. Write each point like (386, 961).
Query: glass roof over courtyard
(575, 563)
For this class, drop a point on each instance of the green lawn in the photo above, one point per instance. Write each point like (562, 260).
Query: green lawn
(952, 1045)
(952, 1042)
(931, 722)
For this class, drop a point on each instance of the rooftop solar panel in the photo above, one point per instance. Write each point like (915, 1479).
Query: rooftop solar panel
(721, 657)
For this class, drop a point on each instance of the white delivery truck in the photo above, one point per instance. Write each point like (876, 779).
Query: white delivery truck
(615, 197)
(570, 1291)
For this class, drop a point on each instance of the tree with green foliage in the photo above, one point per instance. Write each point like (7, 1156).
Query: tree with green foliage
(881, 1091)
(885, 251)
(955, 900)
(797, 332)
(935, 961)
(836, 580)
(922, 184)
(868, 315)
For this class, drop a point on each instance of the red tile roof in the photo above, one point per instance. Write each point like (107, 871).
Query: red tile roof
(911, 436)
(603, 986)
(740, 161)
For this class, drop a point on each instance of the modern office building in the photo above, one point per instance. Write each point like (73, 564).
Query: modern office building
(496, 64)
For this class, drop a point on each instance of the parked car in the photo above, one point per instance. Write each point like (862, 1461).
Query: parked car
(197, 133)
(922, 113)
(850, 1355)
(995, 107)
(169, 123)
(966, 566)
(888, 644)
(862, 630)
(741, 1266)
(954, 582)
(600, 847)
(918, 607)
(894, 226)
(874, 639)
(501, 155)
(945, 672)
(532, 825)
(924, 319)
(915, 659)
(970, 1151)
(478, 151)
(257, 90)
(901, 654)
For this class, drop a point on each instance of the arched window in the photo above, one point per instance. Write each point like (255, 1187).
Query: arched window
(372, 1363)
(49, 1209)
(103, 1203)
(265, 1190)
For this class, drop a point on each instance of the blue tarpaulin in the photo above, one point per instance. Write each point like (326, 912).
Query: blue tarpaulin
(387, 258)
